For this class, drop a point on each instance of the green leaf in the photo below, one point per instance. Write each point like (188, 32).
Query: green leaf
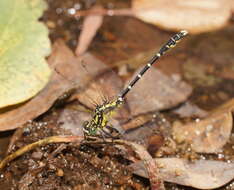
(24, 43)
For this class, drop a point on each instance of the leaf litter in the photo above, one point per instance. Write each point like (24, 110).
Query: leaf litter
(60, 137)
(55, 165)
(210, 134)
(192, 174)
(210, 15)
(205, 15)
(155, 181)
(63, 80)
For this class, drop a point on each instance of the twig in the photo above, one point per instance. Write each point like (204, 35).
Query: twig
(90, 27)
(107, 12)
(48, 140)
(57, 150)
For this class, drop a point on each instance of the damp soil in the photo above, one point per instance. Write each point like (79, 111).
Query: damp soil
(66, 165)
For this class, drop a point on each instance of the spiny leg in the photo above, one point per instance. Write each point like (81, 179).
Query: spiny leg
(113, 132)
(103, 133)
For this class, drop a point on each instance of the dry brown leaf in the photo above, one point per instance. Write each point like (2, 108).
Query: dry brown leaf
(136, 122)
(195, 16)
(69, 74)
(148, 130)
(149, 164)
(71, 121)
(201, 174)
(142, 134)
(90, 27)
(156, 91)
(188, 109)
(210, 134)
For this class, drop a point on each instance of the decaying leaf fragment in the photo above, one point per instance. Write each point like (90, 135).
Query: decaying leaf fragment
(24, 43)
(201, 174)
(195, 16)
(210, 134)
(90, 27)
(156, 91)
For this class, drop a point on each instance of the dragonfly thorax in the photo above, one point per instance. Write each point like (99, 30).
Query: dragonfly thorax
(100, 117)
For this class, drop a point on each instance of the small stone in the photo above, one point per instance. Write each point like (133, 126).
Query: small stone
(60, 173)
(37, 155)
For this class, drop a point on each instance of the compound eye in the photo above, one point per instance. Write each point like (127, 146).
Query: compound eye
(85, 124)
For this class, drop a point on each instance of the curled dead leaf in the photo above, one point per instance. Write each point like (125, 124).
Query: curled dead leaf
(208, 135)
(195, 16)
(149, 164)
(201, 174)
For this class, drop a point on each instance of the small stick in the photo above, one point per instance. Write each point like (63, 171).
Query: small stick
(48, 140)
(107, 12)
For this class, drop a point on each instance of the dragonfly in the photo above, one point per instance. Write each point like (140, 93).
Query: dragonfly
(103, 112)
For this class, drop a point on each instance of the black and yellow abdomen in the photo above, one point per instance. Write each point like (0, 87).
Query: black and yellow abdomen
(102, 112)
